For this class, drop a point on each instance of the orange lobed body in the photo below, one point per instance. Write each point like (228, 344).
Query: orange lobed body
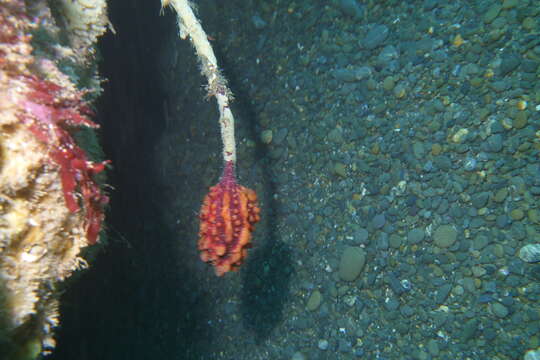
(228, 215)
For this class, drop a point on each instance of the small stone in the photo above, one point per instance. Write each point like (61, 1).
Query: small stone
(400, 91)
(344, 346)
(445, 236)
(492, 13)
(375, 37)
(314, 301)
(375, 149)
(469, 329)
(495, 143)
(363, 72)
(480, 242)
(280, 136)
(498, 250)
(266, 137)
(501, 195)
(509, 62)
(458, 290)
(509, 4)
(336, 135)
(529, 23)
(470, 163)
(389, 83)
(359, 352)
(352, 75)
(468, 284)
(458, 40)
(391, 303)
(378, 221)
(499, 310)
(387, 54)
(351, 8)
(442, 293)
(418, 149)
(520, 120)
(416, 236)
(479, 200)
(340, 169)
(517, 214)
(394, 241)
(478, 271)
(528, 66)
(361, 236)
(433, 347)
(343, 290)
(350, 300)
(530, 253)
(436, 149)
(351, 263)
(323, 344)
(534, 216)
(502, 221)
(477, 82)
(460, 136)
(406, 310)
(258, 22)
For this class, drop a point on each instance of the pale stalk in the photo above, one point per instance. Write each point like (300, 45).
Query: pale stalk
(190, 26)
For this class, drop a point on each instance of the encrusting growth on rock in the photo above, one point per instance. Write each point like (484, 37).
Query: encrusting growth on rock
(51, 206)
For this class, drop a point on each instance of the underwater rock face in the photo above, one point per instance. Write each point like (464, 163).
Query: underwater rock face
(85, 22)
(50, 205)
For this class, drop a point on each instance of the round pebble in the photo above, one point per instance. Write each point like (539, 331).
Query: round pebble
(520, 120)
(266, 137)
(314, 301)
(500, 195)
(389, 83)
(323, 344)
(394, 241)
(340, 169)
(361, 236)
(351, 263)
(499, 310)
(433, 347)
(436, 149)
(534, 216)
(378, 221)
(517, 214)
(530, 253)
(416, 235)
(445, 236)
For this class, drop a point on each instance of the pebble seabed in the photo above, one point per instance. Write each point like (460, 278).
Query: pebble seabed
(395, 148)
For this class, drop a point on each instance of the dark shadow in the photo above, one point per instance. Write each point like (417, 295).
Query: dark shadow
(267, 273)
(268, 270)
(137, 299)
(266, 289)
